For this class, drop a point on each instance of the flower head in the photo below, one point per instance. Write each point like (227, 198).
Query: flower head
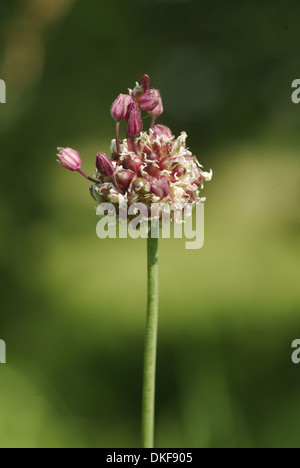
(146, 167)
(161, 168)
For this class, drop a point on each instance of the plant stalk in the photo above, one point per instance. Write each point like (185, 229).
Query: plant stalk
(148, 407)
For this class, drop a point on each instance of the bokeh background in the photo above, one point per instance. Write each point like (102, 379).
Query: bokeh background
(73, 306)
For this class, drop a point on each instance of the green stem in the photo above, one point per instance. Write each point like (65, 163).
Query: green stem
(148, 408)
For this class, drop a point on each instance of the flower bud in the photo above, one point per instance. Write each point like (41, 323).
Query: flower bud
(145, 80)
(149, 100)
(119, 109)
(152, 170)
(69, 159)
(159, 109)
(162, 130)
(104, 165)
(123, 179)
(135, 123)
(132, 162)
(141, 185)
(160, 187)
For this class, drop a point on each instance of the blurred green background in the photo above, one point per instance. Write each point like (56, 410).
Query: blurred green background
(73, 306)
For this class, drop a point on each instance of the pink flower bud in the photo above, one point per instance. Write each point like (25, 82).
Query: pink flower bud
(135, 123)
(149, 100)
(159, 109)
(145, 80)
(162, 130)
(133, 163)
(104, 165)
(123, 179)
(69, 159)
(160, 187)
(120, 107)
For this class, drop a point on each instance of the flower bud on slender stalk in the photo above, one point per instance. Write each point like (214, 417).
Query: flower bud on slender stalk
(69, 159)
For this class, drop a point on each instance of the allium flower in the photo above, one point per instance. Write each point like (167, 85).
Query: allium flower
(69, 159)
(150, 169)
(146, 167)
